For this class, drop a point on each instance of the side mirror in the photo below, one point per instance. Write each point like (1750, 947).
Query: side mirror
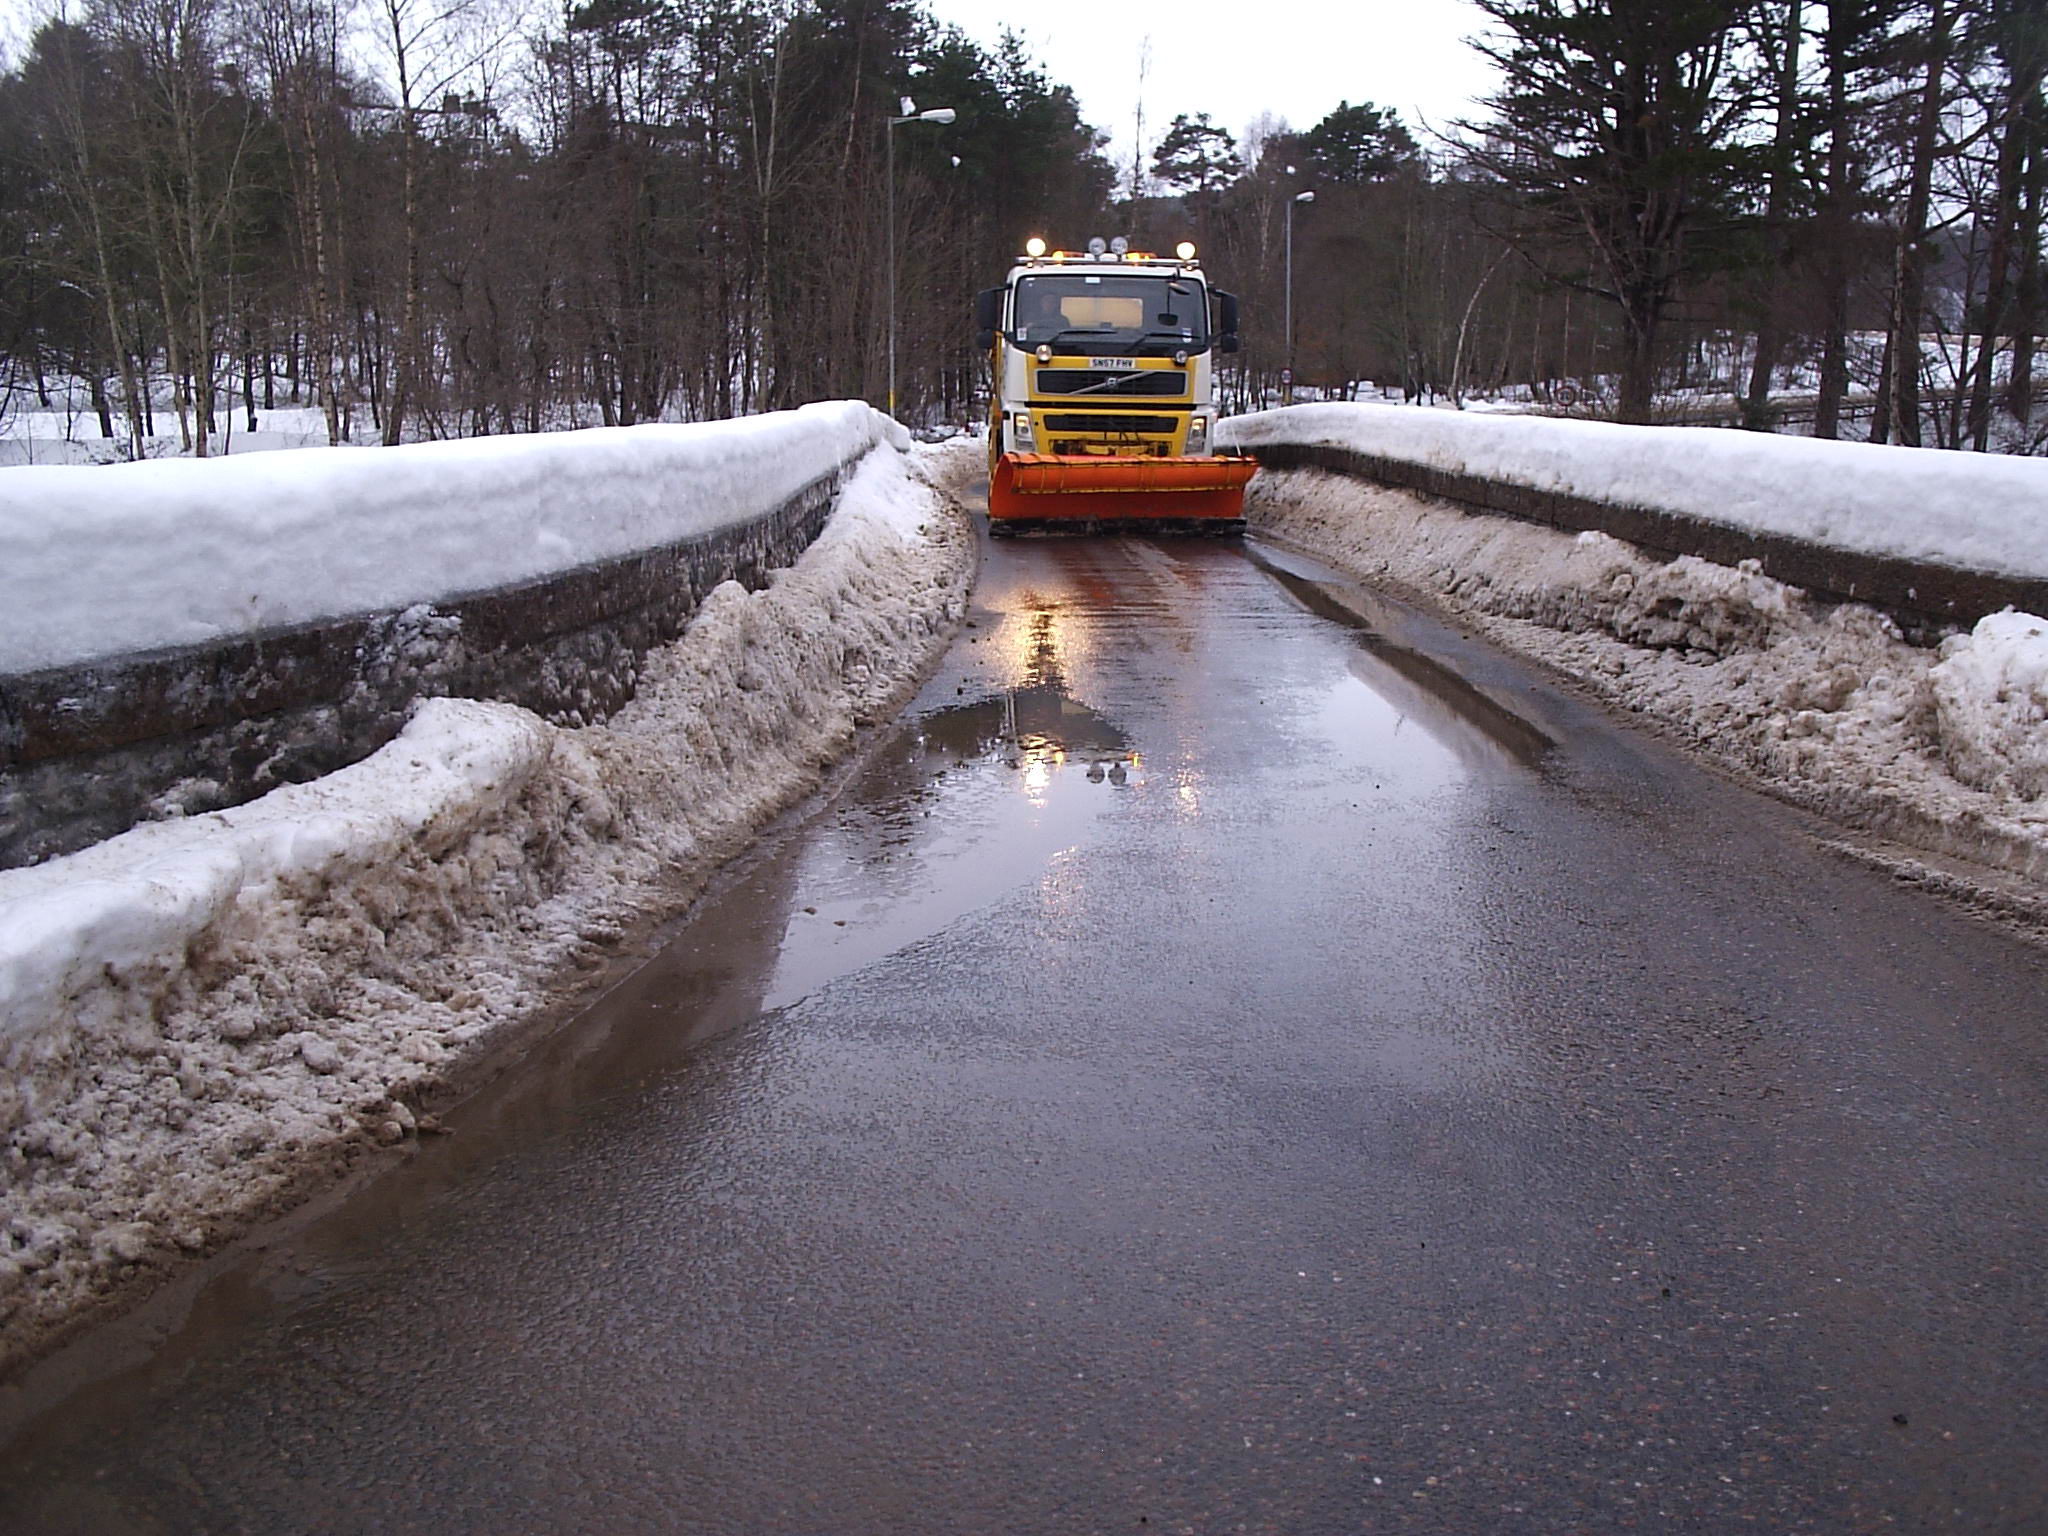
(988, 316)
(1226, 321)
(983, 340)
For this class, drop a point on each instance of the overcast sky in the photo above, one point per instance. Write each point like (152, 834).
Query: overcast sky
(1294, 58)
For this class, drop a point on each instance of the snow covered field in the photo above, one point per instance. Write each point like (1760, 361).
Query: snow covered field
(1944, 748)
(73, 436)
(203, 1020)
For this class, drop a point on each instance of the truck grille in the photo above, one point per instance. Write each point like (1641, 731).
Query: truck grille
(1071, 381)
(1104, 421)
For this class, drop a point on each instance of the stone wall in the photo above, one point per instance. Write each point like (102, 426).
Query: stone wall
(88, 751)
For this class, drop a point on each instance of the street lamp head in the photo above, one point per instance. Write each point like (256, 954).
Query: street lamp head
(937, 115)
(1304, 197)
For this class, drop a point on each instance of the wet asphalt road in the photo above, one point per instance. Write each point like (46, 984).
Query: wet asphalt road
(1226, 1063)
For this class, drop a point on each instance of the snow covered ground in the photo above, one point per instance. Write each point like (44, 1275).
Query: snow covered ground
(1827, 704)
(203, 1020)
(72, 435)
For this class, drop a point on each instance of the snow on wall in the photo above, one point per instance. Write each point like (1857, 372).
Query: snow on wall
(108, 561)
(1981, 512)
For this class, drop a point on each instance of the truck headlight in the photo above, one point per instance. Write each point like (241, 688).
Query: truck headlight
(1198, 435)
(1021, 422)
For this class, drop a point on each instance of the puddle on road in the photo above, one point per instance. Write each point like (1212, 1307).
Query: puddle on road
(1008, 782)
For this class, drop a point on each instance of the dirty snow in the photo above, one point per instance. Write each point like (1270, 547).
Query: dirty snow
(110, 560)
(1826, 704)
(1975, 511)
(1991, 697)
(202, 1021)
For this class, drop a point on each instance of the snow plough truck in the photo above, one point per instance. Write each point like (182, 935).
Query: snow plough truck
(1103, 404)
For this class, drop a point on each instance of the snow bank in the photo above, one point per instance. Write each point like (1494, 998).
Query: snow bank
(204, 1021)
(95, 938)
(1823, 703)
(1991, 702)
(1970, 511)
(107, 561)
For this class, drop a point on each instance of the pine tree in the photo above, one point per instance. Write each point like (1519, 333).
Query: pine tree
(1359, 144)
(1196, 156)
(1617, 124)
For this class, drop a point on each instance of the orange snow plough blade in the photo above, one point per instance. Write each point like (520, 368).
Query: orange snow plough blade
(1083, 493)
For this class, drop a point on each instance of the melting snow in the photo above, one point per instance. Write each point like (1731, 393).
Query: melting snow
(201, 1018)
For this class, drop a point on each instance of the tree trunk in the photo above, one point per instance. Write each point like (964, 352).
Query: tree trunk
(2023, 85)
(1837, 220)
(2026, 319)
(174, 357)
(249, 377)
(1640, 315)
(405, 370)
(1757, 415)
(1909, 264)
(1881, 405)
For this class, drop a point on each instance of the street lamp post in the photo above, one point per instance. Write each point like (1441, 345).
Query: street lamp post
(940, 115)
(1287, 301)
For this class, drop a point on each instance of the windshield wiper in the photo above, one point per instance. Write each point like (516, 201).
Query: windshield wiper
(1189, 343)
(1059, 336)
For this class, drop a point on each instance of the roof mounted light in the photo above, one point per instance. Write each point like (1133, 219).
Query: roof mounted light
(1034, 247)
(1097, 245)
(1119, 245)
(1185, 250)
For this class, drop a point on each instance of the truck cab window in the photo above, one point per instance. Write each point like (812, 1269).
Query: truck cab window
(1133, 315)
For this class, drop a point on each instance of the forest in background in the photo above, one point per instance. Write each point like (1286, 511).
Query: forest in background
(456, 217)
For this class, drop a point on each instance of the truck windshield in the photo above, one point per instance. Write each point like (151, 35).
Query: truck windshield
(1112, 313)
